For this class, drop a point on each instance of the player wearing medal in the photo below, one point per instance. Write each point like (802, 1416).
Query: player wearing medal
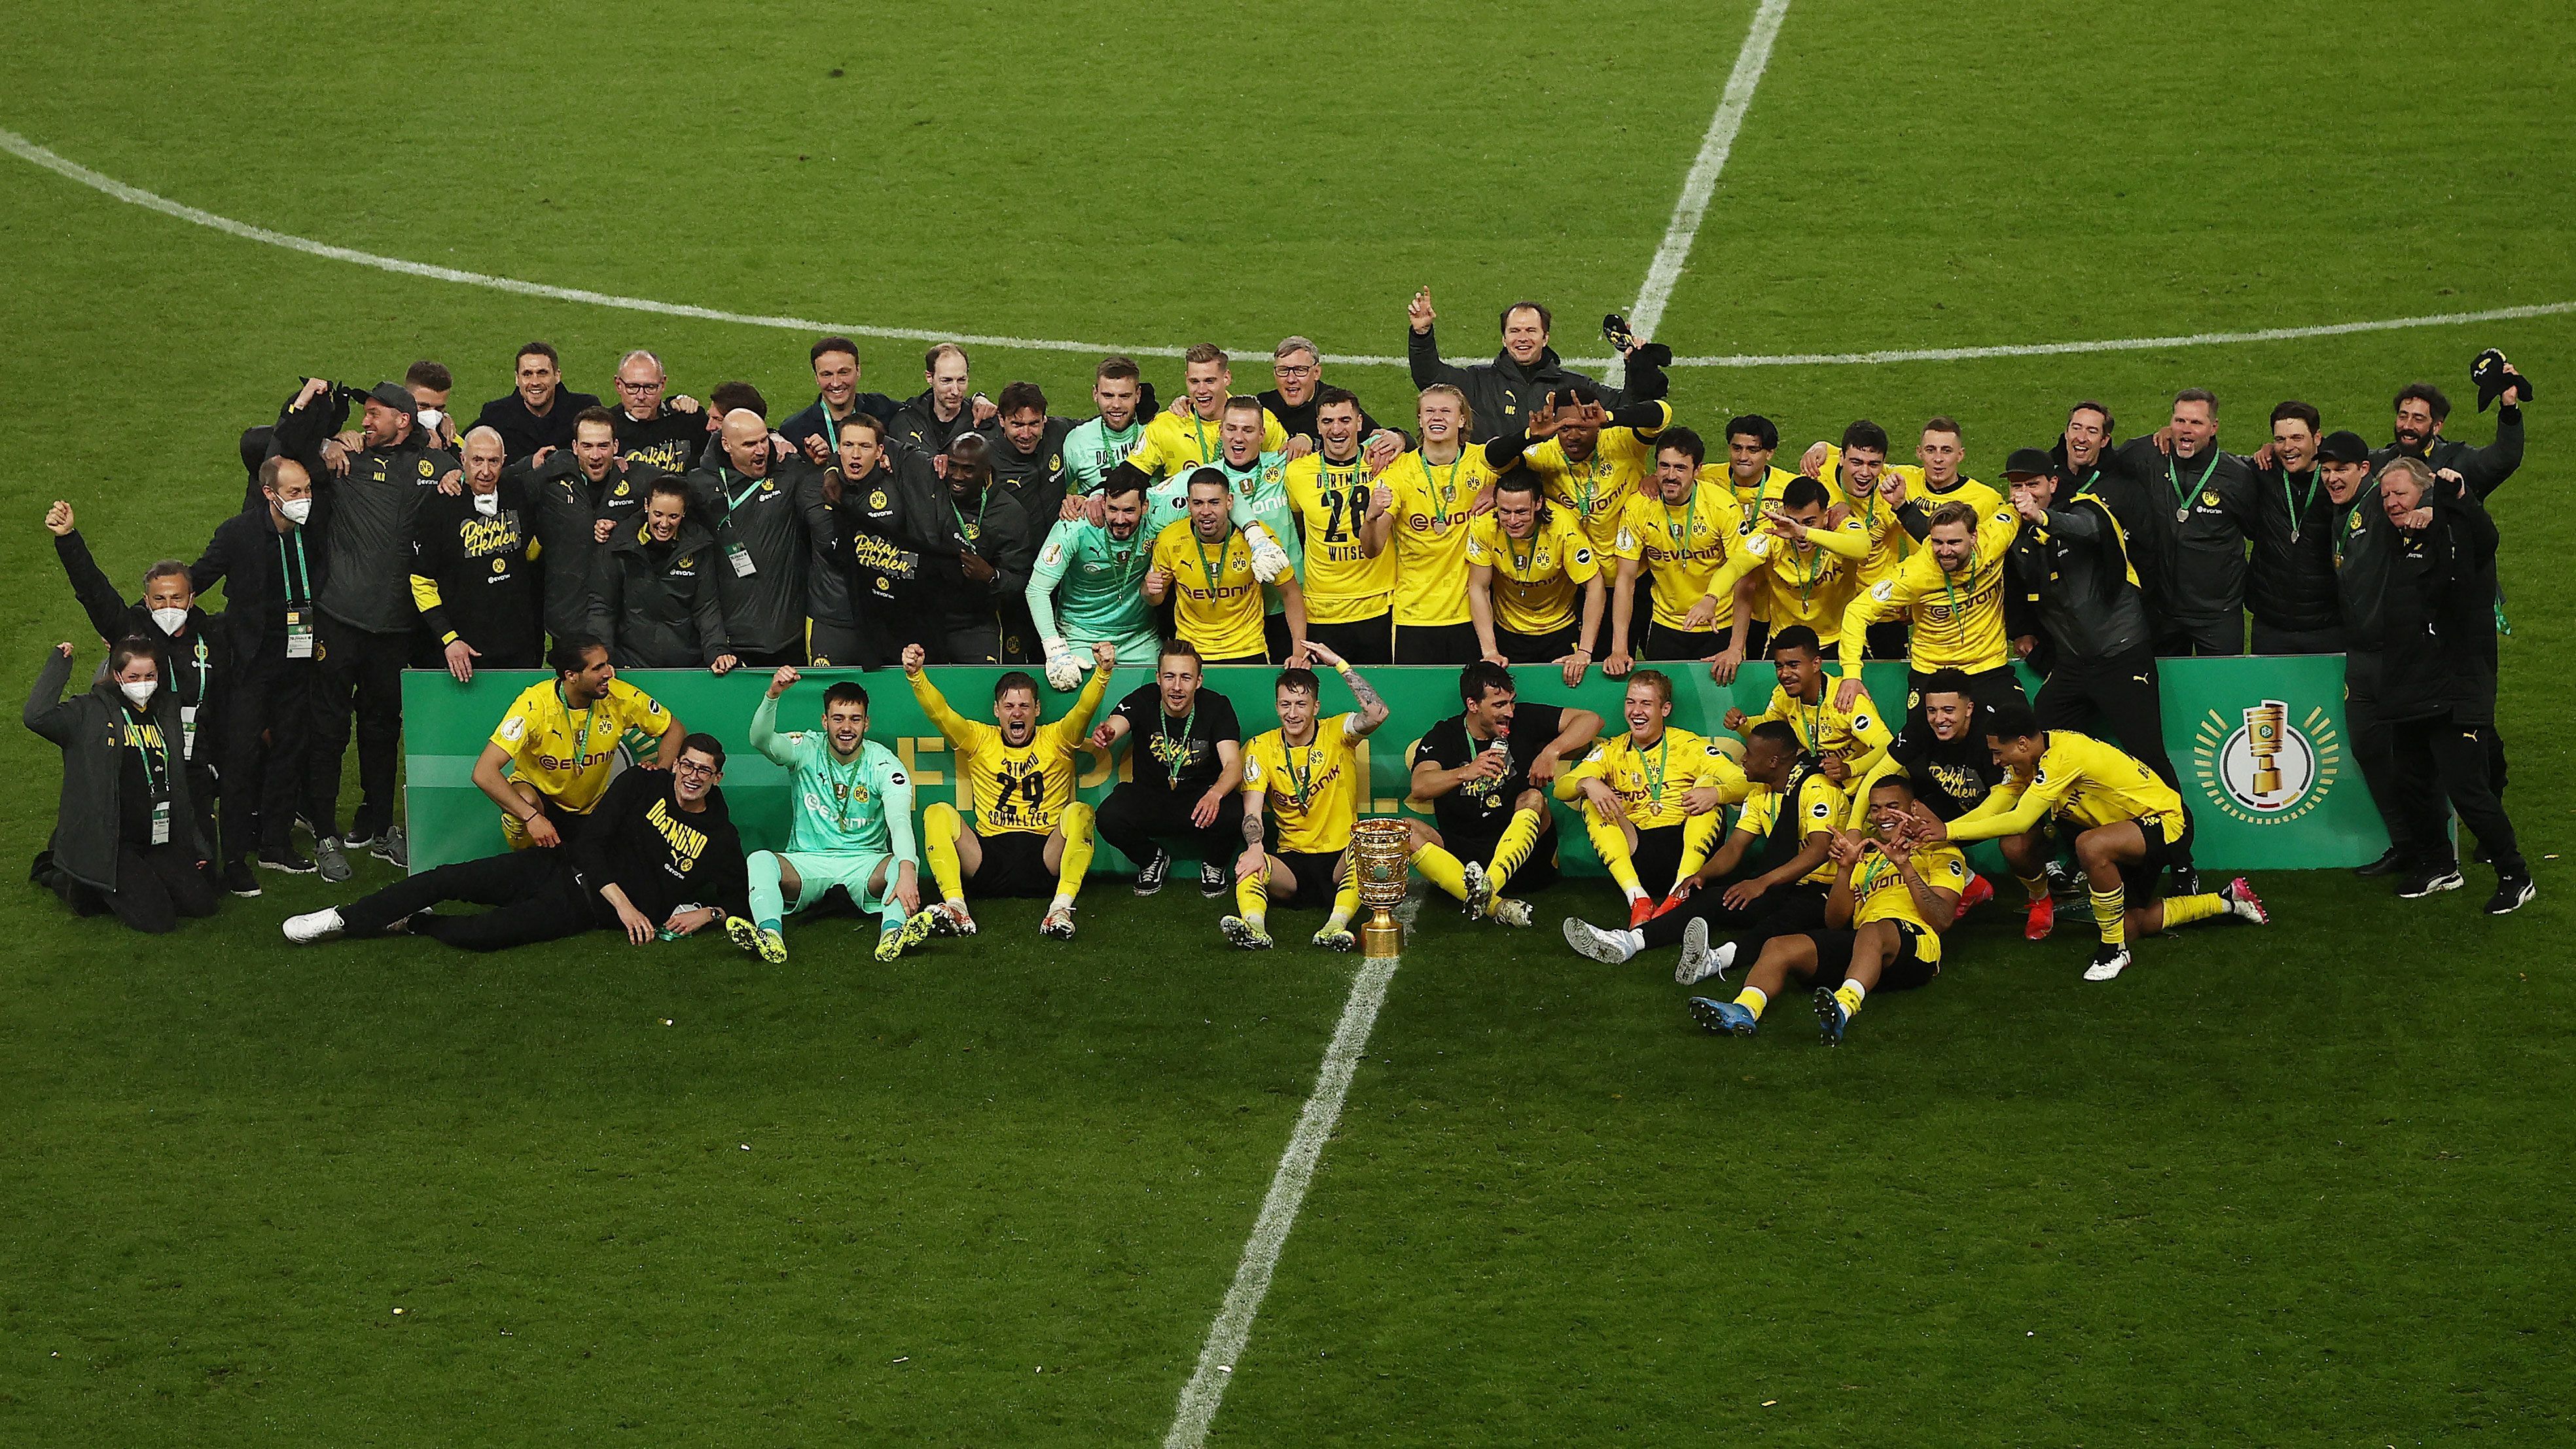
(1884, 916)
(852, 827)
(1349, 572)
(1533, 582)
(1951, 595)
(1847, 744)
(1652, 797)
(1683, 535)
(560, 739)
(1185, 437)
(1483, 770)
(1864, 489)
(1096, 573)
(1752, 440)
(2128, 826)
(1184, 773)
(1804, 569)
(1205, 565)
(1031, 837)
(1095, 447)
(1588, 461)
(1435, 490)
(1307, 773)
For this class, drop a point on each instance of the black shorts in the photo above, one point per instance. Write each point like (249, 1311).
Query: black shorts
(1014, 865)
(1888, 639)
(1535, 648)
(2139, 878)
(1757, 640)
(1658, 858)
(1436, 644)
(1478, 843)
(1313, 872)
(1667, 643)
(1904, 972)
(1275, 639)
(1361, 641)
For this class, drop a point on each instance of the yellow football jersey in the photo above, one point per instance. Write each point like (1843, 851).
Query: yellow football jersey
(2079, 779)
(1858, 736)
(1595, 490)
(1433, 505)
(1888, 541)
(1684, 547)
(1216, 601)
(1820, 807)
(1962, 490)
(1651, 781)
(1313, 788)
(1765, 492)
(1343, 584)
(1177, 441)
(1879, 891)
(1538, 581)
(1957, 620)
(1021, 788)
(566, 753)
(1811, 588)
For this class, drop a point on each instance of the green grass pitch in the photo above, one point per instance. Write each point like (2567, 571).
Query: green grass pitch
(2299, 1186)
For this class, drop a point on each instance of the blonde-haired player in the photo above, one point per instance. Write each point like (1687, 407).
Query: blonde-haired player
(1433, 493)
(1307, 773)
(1031, 837)
(1652, 798)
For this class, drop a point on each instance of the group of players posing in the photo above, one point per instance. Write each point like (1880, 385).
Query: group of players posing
(1844, 867)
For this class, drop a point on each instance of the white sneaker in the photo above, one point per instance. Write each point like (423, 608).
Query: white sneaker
(1058, 925)
(1610, 948)
(2108, 962)
(953, 919)
(1509, 912)
(322, 925)
(1698, 962)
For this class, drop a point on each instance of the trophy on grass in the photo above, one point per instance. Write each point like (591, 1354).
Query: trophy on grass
(1379, 851)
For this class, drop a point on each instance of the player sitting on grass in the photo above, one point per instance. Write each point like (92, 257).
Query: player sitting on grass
(1847, 743)
(1483, 770)
(1031, 837)
(1306, 771)
(1652, 797)
(1883, 922)
(852, 827)
(2130, 825)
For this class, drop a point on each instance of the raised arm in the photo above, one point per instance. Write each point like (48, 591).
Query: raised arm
(46, 713)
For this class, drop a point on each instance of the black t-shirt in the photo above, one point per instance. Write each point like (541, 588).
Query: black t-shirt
(662, 856)
(523, 432)
(1950, 776)
(1479, 807)
(1158, 738)
(669, 440)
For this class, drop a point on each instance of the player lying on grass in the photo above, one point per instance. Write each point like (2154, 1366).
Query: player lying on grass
(1483, 770)
(1031, 837)
(1884, 917)
(2129, 826)
(1791, 811)
(851, 827)
(1307, 773)
(1653, 797)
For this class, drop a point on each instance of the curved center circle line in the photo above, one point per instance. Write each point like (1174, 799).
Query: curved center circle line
(69, 169)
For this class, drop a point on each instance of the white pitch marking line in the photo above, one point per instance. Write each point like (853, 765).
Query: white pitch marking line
(25, 149)
(1233, 1325)
(1656, 292)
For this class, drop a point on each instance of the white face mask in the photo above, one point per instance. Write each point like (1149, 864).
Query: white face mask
(139, 690)
(430, 418)
(296, 510)
(488, 504)
(170, 620)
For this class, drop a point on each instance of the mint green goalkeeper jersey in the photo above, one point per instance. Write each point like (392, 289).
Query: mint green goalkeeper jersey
(1093, 448)
(1088, 586)
(864, 806)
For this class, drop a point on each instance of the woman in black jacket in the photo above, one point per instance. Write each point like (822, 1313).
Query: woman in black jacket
(125, 836)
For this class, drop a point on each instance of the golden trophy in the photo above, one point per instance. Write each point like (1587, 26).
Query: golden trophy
(2264, 726)
(1380, 850)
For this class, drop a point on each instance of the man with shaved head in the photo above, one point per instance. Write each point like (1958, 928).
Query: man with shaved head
(667, 432)
(473, 573)
(765, 513)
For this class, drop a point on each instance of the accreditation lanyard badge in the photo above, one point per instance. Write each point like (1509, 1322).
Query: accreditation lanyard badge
(740, 558)
(187, 732)
(299, 634)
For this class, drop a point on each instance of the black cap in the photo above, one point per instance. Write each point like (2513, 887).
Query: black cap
(2492, 380)
(396, 396)
(2343, 447)
(2029, 463)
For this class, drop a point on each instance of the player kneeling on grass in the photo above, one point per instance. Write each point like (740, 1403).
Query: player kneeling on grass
(1883, 922)
(658, 858)
(2129, 826)
(1307, 772)
(852, 827)
(1483, 770)
(1652, 798)
(1031, 837)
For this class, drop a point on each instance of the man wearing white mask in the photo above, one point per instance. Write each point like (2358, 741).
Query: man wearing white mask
(196, 665)
(474, 568)
(271, 568)
(125, 835)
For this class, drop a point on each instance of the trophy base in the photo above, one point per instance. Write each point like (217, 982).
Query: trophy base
(1382, 938)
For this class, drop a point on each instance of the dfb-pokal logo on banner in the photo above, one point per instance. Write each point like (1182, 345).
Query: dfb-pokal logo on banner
(2267, 770)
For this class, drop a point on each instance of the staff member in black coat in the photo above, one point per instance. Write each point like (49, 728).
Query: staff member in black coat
(195, 664)
(2364, 545)
(977, 550)
(537, 417)
(879, 495)
(2290, 586)
(474, 568)
(2203, 504)
(1501, 394)
(762, 514)
(653, 592)
(125, 835)
(272, 566)
(1299, 368)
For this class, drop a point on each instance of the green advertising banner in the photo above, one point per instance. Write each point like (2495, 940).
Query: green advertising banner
(2258, 743)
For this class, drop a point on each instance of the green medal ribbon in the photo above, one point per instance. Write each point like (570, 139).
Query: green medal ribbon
(2299, 506)
(2181, 496)
(1654, 773)
(1173, 754)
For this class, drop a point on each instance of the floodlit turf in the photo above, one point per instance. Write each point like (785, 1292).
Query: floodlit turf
(2304, 1185)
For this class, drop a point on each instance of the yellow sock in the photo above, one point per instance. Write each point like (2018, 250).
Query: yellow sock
(2110, 915)
(1699, 837)
(1346, 902)
(1611, 844)
(1851, 994)
(1753, 999)
(1513, 850)
(940, 827)
(1442, 869)
(2033, 887)
(2183, 910)
(1076, 861)
(1252, 897)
